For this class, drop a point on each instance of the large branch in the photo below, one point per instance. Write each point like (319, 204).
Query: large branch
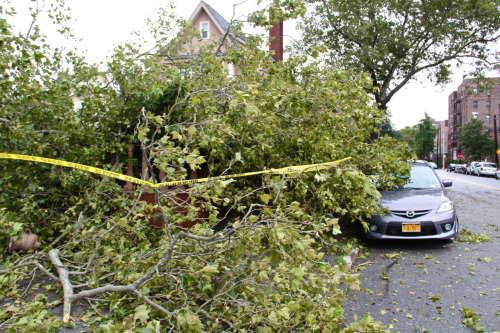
(70, 297)
(66, 283)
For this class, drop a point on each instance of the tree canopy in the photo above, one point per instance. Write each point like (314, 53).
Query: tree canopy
(425, 138)
(255, 259)
(408, 134)
(475, 140)
(394, 41)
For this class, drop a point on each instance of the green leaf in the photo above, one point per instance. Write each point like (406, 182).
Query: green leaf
(265, 198)
(142, 313)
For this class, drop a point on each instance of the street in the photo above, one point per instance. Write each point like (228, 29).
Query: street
(433, 286)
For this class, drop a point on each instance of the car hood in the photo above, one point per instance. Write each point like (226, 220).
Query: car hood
(412, 199)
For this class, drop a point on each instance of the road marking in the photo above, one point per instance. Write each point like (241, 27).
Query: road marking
(474, 183)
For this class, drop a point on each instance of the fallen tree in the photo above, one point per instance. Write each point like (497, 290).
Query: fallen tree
(252, 259)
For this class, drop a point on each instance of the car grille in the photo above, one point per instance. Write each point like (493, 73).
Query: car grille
(410, 214)
(426, 229)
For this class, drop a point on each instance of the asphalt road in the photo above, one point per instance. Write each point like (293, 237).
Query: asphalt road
(424, 286)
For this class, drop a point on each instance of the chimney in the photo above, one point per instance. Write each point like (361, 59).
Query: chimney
(276, 40)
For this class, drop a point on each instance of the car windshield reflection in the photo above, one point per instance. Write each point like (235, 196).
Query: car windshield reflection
(421, 178)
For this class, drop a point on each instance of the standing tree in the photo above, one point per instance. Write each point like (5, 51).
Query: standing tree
(395, 40)
(408, 134)
(475, 140)
(424, 138)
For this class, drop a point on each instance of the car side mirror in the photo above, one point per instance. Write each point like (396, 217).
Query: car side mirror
(447, 182)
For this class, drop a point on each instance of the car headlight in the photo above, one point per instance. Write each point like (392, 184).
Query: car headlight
(445, 207)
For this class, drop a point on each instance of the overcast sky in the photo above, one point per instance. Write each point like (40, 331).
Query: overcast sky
(104, 23)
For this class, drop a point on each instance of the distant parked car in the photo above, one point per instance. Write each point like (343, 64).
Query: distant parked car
(460, 168)
(450, 167)
(471, 167)
(486, 169)
(497, 174)
(433, 165)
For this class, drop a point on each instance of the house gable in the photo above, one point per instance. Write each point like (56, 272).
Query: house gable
(203, 14)
(212, 31)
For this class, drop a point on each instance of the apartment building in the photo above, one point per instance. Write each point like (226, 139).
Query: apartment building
(473, 99)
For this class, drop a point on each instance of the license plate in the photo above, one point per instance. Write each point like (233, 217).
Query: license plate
(411, 227)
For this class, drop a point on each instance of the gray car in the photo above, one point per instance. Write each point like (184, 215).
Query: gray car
(421, 209)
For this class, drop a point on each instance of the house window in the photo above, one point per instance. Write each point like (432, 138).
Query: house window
(474, 91)
(488, 119)
(204, 29)
(488, 105)
(475, 115)
(474, 104)
(488, 92)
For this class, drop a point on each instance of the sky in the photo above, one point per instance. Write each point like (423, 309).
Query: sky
(101, 24)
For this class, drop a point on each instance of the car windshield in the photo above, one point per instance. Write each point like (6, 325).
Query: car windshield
(489, 165)
(422, 177)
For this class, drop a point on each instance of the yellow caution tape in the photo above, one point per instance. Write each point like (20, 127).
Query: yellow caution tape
(288, 170)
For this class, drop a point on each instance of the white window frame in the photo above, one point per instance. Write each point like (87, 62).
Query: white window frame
(207, 23)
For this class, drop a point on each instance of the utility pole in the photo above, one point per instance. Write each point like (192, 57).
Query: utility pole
(495, 133)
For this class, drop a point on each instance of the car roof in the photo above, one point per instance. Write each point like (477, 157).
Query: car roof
(420, 162)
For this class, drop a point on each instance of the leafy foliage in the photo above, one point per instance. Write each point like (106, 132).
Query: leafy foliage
(475, 140)
(468, 236)
(408, 134)
(472, 319)
(394, 41)
(253, 261)
(424, 138)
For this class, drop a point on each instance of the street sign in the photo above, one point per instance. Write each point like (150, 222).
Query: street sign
(460, 156)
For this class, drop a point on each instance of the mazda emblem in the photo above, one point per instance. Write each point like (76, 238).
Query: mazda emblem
(410, 213)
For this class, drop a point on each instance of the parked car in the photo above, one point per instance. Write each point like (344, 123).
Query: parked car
(421, 209)
(433, 165)
(486, 169)
(471, 167)
(450, 167)
(460, 168)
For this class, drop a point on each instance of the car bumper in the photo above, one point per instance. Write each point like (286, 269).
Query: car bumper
(429, 230)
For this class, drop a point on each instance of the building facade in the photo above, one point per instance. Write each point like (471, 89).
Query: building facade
(473, 99)
(441, 142)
